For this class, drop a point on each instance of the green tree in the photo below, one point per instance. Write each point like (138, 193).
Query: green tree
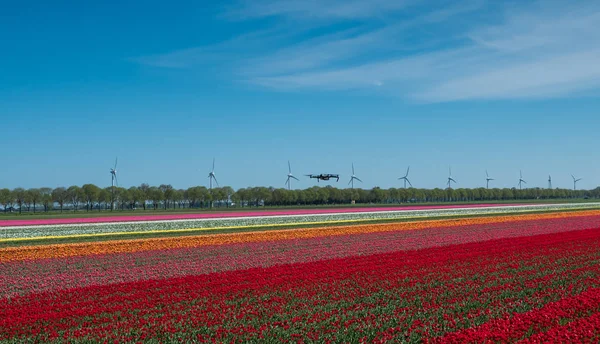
(167, 193)
(46, 198)
(60, 196)
(75, 195)
(35, 196)
(6, 199)
(19, 195)
(104, 198)
(90, 193)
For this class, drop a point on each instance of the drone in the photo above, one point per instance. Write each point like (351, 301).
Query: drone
(324, 176)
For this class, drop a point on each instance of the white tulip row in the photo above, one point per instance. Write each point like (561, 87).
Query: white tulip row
(146, 226)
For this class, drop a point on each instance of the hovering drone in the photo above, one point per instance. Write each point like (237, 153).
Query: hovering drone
(324, 176)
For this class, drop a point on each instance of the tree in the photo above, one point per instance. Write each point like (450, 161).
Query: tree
(27, 200)
(60, 195)
(167, 193)
(177, 198)
(90, 193)
(35, 195)
(227, 192)
(135, 196)
(75, 195)
(19, 197)
(156, 196)
(144, 196)
(46, 198)
(6, 199)
(104, 197)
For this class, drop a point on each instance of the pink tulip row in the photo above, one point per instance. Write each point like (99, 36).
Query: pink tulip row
(105, 219)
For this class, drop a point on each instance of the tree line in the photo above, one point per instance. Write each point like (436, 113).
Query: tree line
(93, 198)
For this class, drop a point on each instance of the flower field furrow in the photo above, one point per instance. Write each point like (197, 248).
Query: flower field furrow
(552, 317)
(124, 246)
(59, 230)
(168, 217)
(417, 295)
(582, 330)
(70, 272)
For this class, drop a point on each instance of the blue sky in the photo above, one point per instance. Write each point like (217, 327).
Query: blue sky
(475, 84)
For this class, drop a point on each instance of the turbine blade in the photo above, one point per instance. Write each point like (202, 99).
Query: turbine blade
(215, 178)
(295, 178)
(409, 183)
(214, 166)
(358, 179)
(350, 181)
(116, 159)
(486, 174)
(289, 167)
(352, 168)
(116, 180)
(287, 181)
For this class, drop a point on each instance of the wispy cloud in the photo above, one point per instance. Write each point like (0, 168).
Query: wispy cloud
(430, 54)
(316, 9)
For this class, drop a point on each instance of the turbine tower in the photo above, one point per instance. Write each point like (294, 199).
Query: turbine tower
(575, 180)
(487, 180)
(549, 182)
(450, 179)
(212, 176)
(353, 177)
(289, 176)
(405, 178)
(521, 179)
(113, 181)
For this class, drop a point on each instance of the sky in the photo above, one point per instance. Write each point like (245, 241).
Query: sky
(477, 85)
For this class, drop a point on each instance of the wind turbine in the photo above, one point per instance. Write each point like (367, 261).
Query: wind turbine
(113, 181)
(450, 179)
(521, 179)
(212, 176)
(549, 182)
(353, 177)
(575, 180)
(487, 180)
(405, 178)
(289, 176)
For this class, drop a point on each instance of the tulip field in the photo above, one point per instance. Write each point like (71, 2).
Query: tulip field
(474, 275)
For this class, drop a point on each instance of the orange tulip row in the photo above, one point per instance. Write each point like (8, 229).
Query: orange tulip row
(136, 245)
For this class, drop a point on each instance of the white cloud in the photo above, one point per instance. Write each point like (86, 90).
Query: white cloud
(547, 49)
(559, 75)
(316, 9)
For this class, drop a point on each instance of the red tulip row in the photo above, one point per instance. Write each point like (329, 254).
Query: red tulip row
(468, 291)
(23, 277)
